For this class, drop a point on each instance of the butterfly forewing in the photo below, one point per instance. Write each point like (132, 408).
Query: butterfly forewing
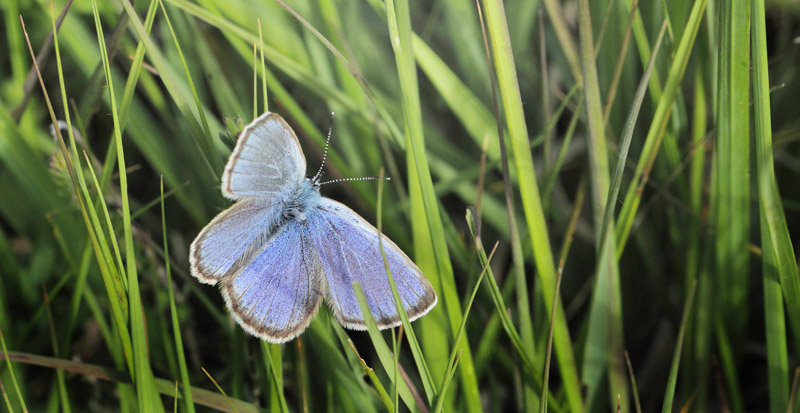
(231, 239)
(266, 162)
(348, 248)
(275, 296)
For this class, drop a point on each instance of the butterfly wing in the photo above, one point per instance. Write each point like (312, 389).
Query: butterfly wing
(275, 296)
(232, 238)
(267, 160)
(348, 249)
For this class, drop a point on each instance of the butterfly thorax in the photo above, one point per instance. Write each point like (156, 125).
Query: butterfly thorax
(304, 198)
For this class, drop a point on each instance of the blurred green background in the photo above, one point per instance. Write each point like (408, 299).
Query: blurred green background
(638, 160)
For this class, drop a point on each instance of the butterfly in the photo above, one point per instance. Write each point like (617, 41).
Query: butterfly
(282, 246)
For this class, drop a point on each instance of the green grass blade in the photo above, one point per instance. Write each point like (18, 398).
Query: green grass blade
(11, 373)
(115, 287)
(176, 330)
(731, 188)
(669, 394)
(455, 353)
(387, 400)
(225, 395)
(430, 245)
(60, 380)
(658, 126)
(147, 395)
(531, 201)
(416, 351)
(205, 142)
(777, 253)
(627, 136)
(382, 349)
(573, 223)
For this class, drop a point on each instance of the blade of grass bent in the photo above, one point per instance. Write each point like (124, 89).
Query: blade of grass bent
(203, 397)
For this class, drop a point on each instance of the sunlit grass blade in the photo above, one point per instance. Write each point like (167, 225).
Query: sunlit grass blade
(529, 190)
(523, 300)
(205, 141)
(430, 245)
(199, 106)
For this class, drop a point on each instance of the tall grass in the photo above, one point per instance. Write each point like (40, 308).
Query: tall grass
(675, 119)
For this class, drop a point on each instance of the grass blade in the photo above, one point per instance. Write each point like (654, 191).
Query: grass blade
(778, 259)
(146, 393)
(605, 338)
(731, 188)
(658, 125)
(529, 190)
(669, 394)
(384, 354)
(430, 245)
(176, 330)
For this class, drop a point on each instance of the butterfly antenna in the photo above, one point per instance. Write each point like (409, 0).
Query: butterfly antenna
(318, 175)
(363, 178)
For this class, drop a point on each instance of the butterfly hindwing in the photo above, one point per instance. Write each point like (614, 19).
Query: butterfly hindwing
(266, 162)
(231, 238)
(348, 249)
(275, 296)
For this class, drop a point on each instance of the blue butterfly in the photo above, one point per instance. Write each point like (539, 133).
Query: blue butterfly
(282, 246)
